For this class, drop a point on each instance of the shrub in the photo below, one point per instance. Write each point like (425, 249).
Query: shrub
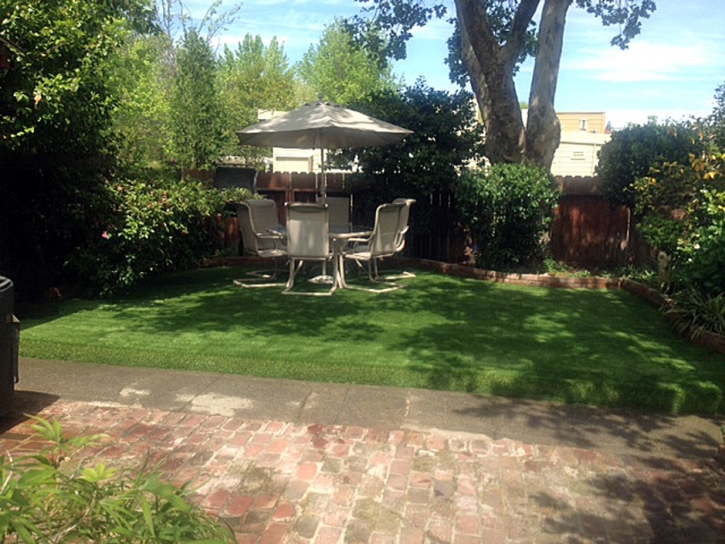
(683, 215)
(508, 209)
(153, 227)
(632, 151)
(446, 138)
(42, 500)
(700, 254)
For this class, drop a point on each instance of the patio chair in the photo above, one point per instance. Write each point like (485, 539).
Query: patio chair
(308, 239)
(380, 244)
(403, 228)
(339, 207)
(258, 241)
(264, 215)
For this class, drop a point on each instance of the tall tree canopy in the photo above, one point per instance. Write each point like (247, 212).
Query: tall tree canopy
(337, 69)
(56, 83)
(198, 116)
(254, 77)
(494, 37)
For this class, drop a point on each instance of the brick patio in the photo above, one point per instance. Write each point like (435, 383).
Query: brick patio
(279, 482)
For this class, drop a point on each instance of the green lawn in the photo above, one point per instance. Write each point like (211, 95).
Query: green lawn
(598, 347)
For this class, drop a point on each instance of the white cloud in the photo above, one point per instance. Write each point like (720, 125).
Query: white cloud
(643, 61)
(437, 30)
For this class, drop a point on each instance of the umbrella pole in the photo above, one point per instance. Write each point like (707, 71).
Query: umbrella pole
(324, 175)
(324, 277)
(324, 200)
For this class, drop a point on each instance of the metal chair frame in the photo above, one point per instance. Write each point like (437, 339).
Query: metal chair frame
(258, 240)
(308, 239)
(380, 244)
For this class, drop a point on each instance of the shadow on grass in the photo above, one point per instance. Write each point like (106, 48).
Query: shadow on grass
(570, 346)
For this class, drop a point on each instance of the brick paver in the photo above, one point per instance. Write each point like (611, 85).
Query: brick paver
(279, 482)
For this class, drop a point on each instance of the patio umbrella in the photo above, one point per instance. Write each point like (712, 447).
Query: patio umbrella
(322, 125)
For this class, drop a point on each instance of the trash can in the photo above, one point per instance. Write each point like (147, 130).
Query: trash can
(9, 343)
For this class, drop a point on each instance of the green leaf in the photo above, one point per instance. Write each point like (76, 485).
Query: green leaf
(148, 518)
(98, 473)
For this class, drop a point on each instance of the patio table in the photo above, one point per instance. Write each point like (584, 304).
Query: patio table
(339, 236)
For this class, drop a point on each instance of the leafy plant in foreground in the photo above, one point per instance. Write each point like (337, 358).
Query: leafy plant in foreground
(43, 501)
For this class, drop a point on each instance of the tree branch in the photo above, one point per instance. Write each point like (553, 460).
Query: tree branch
(519, 29)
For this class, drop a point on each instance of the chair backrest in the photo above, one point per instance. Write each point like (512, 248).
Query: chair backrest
(404, 218)
(339, 207)
(264, 214)
(383, 241)
(308, 231)
(251, 242)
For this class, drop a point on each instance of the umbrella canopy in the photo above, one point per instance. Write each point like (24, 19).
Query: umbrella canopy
(322, 125)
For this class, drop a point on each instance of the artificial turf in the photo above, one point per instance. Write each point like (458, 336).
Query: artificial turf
(598, 347)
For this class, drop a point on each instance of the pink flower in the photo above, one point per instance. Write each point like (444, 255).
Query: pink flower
(104, 235)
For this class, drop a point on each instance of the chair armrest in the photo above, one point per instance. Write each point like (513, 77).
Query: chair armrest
(278, 240)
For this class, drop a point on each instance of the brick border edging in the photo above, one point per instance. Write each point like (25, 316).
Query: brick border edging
(533, 280)
(707, 339)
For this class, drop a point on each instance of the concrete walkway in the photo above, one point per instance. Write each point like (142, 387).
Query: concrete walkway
(285, 461)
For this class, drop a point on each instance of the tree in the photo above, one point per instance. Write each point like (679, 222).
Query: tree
(494, 35)
(254, 77)
(446, 140)
(340, 71)
(169, 80)
(142, 120)
(57, 92)
(713, 126)
(633, 151)
(198, 126)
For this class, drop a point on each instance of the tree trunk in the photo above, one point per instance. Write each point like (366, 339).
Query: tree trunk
(543, 131)
(478, 82)
(491, 67)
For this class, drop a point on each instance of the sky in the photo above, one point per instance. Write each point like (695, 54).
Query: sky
(670, 71)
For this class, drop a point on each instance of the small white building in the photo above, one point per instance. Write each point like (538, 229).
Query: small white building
(286, 159)
(582, 136)
(578, 153)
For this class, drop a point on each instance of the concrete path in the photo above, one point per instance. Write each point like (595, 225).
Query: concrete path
(286, 461)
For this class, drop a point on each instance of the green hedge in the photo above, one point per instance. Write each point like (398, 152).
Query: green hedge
(509, 208)
(152, 227)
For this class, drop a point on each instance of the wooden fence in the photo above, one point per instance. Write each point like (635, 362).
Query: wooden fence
(591, 232)
(588, 231)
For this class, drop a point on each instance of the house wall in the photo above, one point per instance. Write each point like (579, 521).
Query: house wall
(578, 153)
(587, 121)
(295, 160)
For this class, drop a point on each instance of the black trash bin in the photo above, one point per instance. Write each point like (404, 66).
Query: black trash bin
(9, 339)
